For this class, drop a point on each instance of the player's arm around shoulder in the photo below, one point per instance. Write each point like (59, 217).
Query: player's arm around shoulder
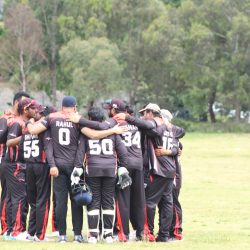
(37, 128)
(14, 134)
(100, 134)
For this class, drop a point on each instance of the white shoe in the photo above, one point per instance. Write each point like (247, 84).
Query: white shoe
(22, 236)
(55, 234)
(92, 240)
(132, 235)
(109, 239)
(115, 237)
(5, 234)
(36, 239)
(62, 239)
(29, 237)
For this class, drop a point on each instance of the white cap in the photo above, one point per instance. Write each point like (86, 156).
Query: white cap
(166, 114)
(151, 106)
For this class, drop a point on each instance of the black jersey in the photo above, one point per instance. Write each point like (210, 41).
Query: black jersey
(162, 165)
(32, 147)
(101, 156)
(5, 121)
(65, 137)
(155, 136)
(131, 139)
(175, 133)
(15, 130)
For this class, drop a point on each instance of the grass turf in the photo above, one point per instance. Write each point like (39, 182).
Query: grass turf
(215, 199)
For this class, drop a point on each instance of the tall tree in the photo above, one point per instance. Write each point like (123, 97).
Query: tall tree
(93, 68)
(237, 78)
(165, 58)
(128, 22)
(47, 11)
(20, 47)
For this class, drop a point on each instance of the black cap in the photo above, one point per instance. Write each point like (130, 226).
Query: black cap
(116, 104)
(69, 101)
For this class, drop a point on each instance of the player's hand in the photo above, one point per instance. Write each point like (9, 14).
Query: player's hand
(124, 180)
(74, 117)
(54, 171)
(119, 129)
(159, 151)
(179, 152)
(75, 175)
(120, 116)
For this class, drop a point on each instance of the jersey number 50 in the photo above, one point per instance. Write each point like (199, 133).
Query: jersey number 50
(104, 146)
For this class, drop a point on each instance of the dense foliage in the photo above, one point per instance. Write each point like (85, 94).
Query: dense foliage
(189, 56)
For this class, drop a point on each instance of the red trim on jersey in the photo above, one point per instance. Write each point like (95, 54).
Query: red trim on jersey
(4, 218)
(118, 120)
(1, 150)
(18, 228)
(43, 156)
(177, 235)
(119, 225)
(11, 153)
(151, 178)
(18, 120)
(45, 221)
(17, 170)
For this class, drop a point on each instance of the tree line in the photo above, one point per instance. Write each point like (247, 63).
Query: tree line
(187, 56)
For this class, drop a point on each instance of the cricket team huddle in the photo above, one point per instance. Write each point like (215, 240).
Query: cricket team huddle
(121, 168)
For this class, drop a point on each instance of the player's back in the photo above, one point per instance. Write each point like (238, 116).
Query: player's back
(132, 141)
(163, 165)
(65, 137)
(101, 156)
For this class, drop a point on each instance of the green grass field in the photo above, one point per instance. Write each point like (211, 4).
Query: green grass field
(215, 198)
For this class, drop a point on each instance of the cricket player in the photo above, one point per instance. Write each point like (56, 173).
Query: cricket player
(65, 138)
(5, 121)
(101, 175)
(15, 169)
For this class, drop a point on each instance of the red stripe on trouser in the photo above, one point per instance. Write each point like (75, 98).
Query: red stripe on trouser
(45, 221)
(147, 233)
(121, 234)
(18, 227)
(4, 219)
(177, 226)
(146, 229)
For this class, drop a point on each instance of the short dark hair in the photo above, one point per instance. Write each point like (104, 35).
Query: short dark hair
(18, 96)
(46, 110)
(96, 114)
(129, 109)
